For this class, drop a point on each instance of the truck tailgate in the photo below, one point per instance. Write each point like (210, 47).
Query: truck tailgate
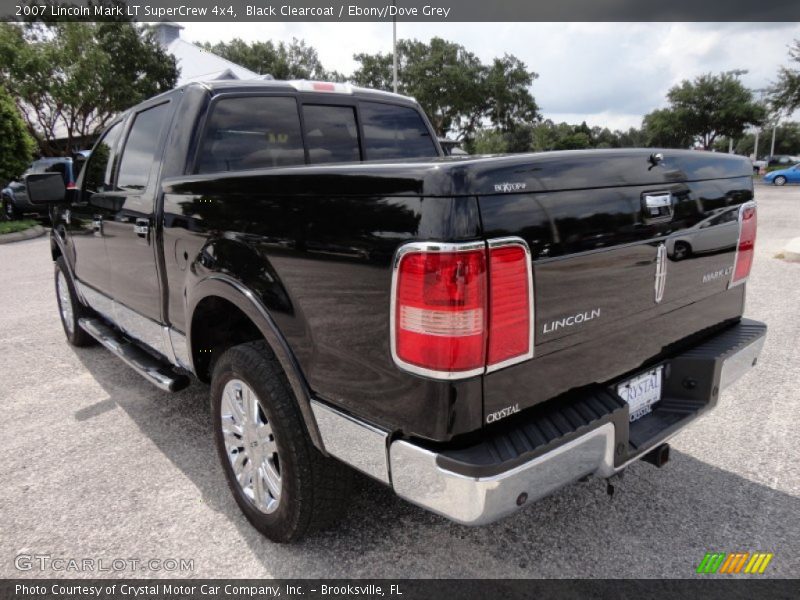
(623, 274)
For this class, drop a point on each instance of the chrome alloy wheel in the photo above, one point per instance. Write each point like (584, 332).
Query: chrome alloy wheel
(64, 301)
(250, 446)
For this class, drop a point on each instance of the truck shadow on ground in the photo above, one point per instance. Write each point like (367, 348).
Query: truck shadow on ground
(659, 523)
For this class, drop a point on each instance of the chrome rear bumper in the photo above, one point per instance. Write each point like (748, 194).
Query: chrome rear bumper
(417, 478)
(417, 474)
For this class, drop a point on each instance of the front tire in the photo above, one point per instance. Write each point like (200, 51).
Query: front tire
(284, 486)
(779, 180)
(70, 308)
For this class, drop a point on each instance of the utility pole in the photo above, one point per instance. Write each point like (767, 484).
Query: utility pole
(394, 49)
(755, 149)
(772, 148)
(761, 93)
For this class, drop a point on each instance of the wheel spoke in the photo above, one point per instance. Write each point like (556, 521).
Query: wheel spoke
(236, 411)
(250, 405)
(272, 479)
(258, 488)
(250, 444)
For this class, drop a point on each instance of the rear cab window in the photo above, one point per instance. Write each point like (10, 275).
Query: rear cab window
(247, 132)
(251, 132)
(392, 131)
(331, 133)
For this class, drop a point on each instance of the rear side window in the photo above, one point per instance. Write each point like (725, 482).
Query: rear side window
(252, 132)
(100, 167)
(140, 149)
(394, 132)
(331, 133)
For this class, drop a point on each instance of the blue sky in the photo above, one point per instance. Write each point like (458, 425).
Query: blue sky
(609, 74)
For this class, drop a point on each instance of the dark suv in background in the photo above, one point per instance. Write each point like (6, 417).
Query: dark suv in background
(15, 198)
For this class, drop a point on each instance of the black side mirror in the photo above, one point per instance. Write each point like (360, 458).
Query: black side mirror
(46, 188)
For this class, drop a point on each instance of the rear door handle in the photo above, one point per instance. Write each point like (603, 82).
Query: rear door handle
(142, 227)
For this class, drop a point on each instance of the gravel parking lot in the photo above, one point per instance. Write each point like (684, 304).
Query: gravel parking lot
(98, 464)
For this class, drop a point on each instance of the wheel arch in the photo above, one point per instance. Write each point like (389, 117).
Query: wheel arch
(221, 295)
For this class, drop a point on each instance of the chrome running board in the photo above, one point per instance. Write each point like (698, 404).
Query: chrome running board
(157, 372)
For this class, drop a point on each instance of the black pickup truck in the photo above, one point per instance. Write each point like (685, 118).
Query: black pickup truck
(474, 332)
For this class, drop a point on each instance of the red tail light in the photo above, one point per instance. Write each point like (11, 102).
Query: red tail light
(510, 302)
(459, 309)
(745, 250)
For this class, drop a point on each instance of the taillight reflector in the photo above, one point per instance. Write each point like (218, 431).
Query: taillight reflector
(745, 249)
(440, 310)
(509, 304)
(462, 309)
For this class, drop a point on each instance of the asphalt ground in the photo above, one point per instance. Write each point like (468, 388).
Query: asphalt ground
(96, 463)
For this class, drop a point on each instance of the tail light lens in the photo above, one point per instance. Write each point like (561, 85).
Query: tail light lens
(510, 304)
(459, 309)
(745, 250)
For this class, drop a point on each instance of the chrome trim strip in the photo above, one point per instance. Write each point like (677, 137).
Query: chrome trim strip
(746, 205)
(180, 349)
(661, 272)
(353, 442)
(739, 363)
(480, 500)
(516, 241)
(97, 301)
(141, 328)
(398, 257)
(160, 338)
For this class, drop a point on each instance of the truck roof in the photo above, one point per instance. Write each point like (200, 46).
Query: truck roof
(301, 86)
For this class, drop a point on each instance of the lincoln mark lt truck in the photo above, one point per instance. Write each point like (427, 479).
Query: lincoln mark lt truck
(474, 332)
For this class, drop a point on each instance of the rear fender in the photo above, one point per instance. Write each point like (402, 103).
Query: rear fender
(222, 285)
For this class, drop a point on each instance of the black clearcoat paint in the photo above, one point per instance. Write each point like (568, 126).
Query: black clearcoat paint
(314, 246)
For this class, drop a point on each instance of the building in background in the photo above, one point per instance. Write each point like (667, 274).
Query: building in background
(195, 63)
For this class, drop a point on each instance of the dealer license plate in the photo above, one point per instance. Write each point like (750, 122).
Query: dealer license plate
(641, 392)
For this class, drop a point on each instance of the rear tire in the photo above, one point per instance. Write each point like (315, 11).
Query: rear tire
(779, 180)
(70, 308)
(284, 486)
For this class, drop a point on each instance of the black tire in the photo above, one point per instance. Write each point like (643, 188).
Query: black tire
(76, 336)
(10, 212)
(681, 251)
(313, 488)
(779, 180)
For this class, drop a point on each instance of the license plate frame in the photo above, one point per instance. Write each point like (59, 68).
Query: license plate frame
(642, 391)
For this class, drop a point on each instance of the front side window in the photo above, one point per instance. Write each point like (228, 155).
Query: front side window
(140, 149)
(331, 133)
(251, 132)
(100, 166)
(392, 131)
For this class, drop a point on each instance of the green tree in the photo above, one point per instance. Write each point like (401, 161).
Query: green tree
(16, 144)
(664, 128)
(785, 93)
(77, 76)
(295, 60)
(704, 109)
(457, 91)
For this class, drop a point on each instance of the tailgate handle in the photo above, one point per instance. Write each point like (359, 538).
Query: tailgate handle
(657, 205)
